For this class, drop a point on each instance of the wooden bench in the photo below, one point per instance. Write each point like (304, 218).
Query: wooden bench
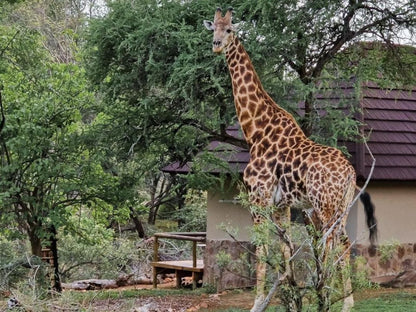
(181, 268)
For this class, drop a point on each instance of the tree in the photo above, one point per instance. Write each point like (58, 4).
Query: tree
(152, 99)
(305, 37)
(60, 22)
(157, 74)
(47, 170)
(163, 91)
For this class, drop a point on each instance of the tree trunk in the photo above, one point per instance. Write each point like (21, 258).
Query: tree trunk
(137, 223)
(35, 241)
(54, 248)
(181, 204)
(307, 125)
(152, 214)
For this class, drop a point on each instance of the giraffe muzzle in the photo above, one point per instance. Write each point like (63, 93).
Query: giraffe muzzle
(216, 46)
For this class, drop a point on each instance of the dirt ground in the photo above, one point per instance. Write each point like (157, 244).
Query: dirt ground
(205, 302)
(177, 303)
(183, 301)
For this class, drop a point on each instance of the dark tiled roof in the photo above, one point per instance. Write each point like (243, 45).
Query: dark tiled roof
(390, 123)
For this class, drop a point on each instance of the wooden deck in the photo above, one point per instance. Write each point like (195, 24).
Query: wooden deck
(181, 268)
(185, 265)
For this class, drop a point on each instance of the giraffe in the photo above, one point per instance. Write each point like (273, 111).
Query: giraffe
(286, 169)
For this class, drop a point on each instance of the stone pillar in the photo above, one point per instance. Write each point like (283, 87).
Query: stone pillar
(229, 264)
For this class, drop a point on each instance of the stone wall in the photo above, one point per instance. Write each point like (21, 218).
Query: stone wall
(386, 262)
(229, 264)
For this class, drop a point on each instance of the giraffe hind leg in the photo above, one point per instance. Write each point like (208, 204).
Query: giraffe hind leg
(345, 273)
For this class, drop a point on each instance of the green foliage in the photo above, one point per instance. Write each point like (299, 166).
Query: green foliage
(10, 269)
(21, 271)
(154, 69)
(223, 259)
(360, 276)
(387, 250)
(46, 164)
(193, 216)
(103, 256)
(388, 65)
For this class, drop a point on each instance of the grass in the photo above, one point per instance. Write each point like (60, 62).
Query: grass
(395, 302)
(369, 301)
(392, 301)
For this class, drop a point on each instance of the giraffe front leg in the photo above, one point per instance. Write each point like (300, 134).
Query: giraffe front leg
(261, 241)
(261, 208)
(261, 267)
(283, 229)
(290, 294)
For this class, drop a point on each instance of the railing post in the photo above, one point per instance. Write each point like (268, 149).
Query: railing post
(156, 249)
(194, 254)
(155, 259)
(194, 264)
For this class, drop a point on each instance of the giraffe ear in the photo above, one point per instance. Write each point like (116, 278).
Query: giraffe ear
(236, 27)
(209, 25)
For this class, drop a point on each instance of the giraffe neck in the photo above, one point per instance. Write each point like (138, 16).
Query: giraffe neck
(255, 108)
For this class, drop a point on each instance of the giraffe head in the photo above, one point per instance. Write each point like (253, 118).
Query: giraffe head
(223, 30)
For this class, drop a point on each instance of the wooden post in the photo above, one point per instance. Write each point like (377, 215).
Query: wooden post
(156, 249)
(194, 281)
(155, 259)
(194, 254)
(194, 275)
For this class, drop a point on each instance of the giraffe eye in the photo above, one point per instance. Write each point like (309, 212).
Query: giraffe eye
(228, 30)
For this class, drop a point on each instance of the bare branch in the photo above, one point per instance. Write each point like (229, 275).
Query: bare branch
(261, 306)
(226, 138)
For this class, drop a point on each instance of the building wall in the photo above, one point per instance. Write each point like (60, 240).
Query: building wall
(223, 214)
(395, 204)
(229, 264)
(395, 212)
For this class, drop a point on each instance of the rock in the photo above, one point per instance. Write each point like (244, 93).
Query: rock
(403, 279)
(91, 284)
(12, 303)
(146, 308)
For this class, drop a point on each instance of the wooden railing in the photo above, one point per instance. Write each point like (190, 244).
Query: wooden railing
(178, 266)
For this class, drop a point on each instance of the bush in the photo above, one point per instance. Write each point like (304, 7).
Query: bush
(193, 216)
(19, 269)
(102, 256)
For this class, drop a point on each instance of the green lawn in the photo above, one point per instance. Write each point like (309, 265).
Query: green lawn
(381, 300)
(392, 301)
(395, 302)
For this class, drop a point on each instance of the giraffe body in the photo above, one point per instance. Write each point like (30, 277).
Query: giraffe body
(286, 169)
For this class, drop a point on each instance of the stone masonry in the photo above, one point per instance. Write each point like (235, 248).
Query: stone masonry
(229, 264)
(392, 265)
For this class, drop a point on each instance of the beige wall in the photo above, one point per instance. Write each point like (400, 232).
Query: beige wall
(221, 212)
(395, 211)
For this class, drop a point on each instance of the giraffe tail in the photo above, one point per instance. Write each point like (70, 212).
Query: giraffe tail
(371, 220)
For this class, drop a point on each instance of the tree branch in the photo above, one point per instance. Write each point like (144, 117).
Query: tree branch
(3, 117)
(212, 135)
